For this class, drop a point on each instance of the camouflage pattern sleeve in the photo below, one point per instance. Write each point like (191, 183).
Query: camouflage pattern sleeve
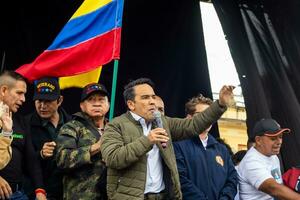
(70, 154)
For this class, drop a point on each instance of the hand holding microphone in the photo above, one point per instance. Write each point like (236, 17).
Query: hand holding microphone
(158, 134)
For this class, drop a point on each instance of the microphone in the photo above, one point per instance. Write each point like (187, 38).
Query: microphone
(158, 121)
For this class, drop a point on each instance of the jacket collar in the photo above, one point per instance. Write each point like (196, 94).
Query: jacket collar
(211, 141)
(84, 116)
(130, 117)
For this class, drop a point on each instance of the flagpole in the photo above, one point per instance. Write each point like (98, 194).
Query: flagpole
(3, 62)
(113, 89)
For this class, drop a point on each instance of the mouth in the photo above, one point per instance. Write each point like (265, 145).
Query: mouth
(152, 110)
(276, 148)
(97, 110)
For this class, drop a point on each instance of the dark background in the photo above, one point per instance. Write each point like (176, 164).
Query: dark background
(161, 40)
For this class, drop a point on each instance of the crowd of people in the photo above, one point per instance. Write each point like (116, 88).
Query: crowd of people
(50, 154)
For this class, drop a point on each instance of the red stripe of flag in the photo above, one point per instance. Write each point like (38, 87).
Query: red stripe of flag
(75, 60)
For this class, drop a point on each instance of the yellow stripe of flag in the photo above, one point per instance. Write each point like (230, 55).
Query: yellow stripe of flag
(80, 80)
(89, 6)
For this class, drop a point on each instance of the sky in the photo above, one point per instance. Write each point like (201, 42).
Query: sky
(221, 67)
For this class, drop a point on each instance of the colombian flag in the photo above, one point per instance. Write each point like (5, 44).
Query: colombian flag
(90, 39)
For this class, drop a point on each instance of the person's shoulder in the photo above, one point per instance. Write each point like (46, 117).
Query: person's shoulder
(121, 117)
(71, 128)
(66, 116)
(19, 122)
(250, 155)
(32, 119)
(183, 143)
(72, 124)
(251, 161)
(18, 117)
(121, 120)
(218, 143)
(29, 116)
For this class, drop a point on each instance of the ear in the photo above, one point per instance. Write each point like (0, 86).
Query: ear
(108, 103)
(81, 106)
(106, 107)
(131, 105)
(258, 140)
(3, 90)
(60, 100)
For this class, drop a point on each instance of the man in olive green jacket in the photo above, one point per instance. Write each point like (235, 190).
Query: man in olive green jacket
(139, 167)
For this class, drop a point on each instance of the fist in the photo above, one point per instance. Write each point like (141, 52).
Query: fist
(226, 96)
(48, 149)
(158, 135)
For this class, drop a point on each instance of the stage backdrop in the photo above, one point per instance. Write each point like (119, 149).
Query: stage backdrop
(162, 40)
(264, 39)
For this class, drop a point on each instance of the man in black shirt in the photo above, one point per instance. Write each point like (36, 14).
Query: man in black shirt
(12, 93)
(45, 123)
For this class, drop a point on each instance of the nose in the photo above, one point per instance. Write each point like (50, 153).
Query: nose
(97, 103)
(42, 104)
(152, 100)
(23, 99)
(279, 141)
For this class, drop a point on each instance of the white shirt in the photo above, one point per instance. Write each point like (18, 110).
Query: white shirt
(204, 142)
(154, 179)
(253, 170)
(237, 196)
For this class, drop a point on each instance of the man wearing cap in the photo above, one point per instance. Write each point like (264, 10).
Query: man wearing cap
(78, 147)
(12, 93)
(259, 171)
(44, 124)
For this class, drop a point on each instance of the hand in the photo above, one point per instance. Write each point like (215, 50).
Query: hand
(5, 190)
(40, 196)
(2, 109)
(226, 96)
(6, 118)
(158, 135)
(48, 149)
(95, 148)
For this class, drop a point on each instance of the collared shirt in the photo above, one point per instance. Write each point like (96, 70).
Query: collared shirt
(154, 179)
(204, 142)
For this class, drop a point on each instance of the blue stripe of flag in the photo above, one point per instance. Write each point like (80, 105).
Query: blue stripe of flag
(88, 26)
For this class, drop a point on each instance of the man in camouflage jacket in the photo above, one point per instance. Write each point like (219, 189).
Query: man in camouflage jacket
(78, 147)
